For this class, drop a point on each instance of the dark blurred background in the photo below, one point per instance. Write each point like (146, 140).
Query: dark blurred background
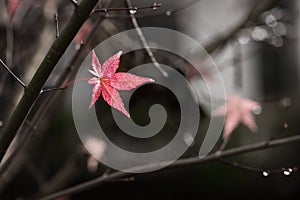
(259, 61)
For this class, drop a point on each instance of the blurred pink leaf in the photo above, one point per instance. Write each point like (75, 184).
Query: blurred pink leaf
(237, 110)
(12, 6)
(96, 148)
(107, 81)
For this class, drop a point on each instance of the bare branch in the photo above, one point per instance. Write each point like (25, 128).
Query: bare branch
(104, 10)
(144, 41)
(240, 166)
(54, 89)
(179, 163)
(264, 172)
(12, 74)
(246, 167)
(157, 14)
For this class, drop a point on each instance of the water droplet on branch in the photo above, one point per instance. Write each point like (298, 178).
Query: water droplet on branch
(276, 41)
(168, 13)
(285, 102)
(259, 34)
(155, 5)
(271, 21)
(287, 172)
(133, 11)
(280, 29)
(257, 110)
(266, 173)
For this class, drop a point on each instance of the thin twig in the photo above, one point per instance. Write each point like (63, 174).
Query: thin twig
(104, 10)
(156, 14)
(54, 89)
(144, 41)
(243, 166)
(129, 179)
(13, 75)
(35, 173)
(74, 2)
(240, 166)
(56, 24)
(264, 172)
(178, 163)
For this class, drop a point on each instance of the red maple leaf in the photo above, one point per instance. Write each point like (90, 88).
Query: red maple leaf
(237, 110)
(107, 81)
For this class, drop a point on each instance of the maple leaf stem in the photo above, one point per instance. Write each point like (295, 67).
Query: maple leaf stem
(179, 163)
(12, 74)
(67, 85)
(32, 92)
(144, 42)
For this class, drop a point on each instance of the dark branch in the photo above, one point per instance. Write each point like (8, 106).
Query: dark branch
(178, 163)
(12, 74)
